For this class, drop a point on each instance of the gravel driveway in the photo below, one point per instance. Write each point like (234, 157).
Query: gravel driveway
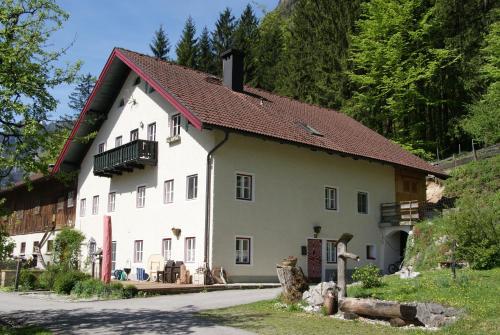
(172, 314)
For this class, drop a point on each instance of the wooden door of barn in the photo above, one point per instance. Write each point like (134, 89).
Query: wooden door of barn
(314, 260)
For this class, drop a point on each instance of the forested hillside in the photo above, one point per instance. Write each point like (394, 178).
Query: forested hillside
(421, 72)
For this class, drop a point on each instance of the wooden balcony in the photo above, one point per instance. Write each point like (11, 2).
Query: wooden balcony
(126, 158)
(407, 213)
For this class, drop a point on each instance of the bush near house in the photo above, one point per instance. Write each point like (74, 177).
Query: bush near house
(369, 276)
(65, 281)
(67, 246)
(96, 288)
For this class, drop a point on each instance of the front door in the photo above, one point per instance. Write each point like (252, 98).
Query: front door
(314, 261)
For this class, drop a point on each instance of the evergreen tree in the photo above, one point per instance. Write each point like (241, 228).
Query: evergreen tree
(82, 91)
(222, 36)
(187, 50)
(160, 46)
(206, 58)
(246, 37)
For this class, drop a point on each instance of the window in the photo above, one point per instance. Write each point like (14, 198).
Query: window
(363, 202)
(83, 203)
(175, 125)
(92, 247)
(36, 206)
(192, 187)
(371, 252)
(331, 198)
(141, 197)
(71, 199)
(134, 135)
(101, 148)
(149, 88)
(60, 204)
(138, 248)
(95, 205)
(242, 250)
(23, 248)
(166, 247)
(331, 251)
(118, 141)
(190, 248)
(50, 246)
(152, 132)
(168, 192)
(113, 256)
(137, 81)
(111, 201)
(244, 187)
(35, 246)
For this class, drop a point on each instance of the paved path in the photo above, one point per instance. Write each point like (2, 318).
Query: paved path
(173, 314)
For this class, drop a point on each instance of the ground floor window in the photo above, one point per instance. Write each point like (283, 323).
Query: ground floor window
(138, 249)
(331, 251)
(166, 247)
(113, 256)
(50, 246)
(23, 248)
(362, 202)
(190, 248)
(371, 252)
(243, 250)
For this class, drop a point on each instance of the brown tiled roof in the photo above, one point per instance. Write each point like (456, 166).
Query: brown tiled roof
(263, 113)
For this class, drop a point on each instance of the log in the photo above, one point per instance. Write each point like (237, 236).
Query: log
(379, 309)
(293, 282)
(397, 322)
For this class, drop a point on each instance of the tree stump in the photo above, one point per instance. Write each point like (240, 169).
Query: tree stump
(293, 282)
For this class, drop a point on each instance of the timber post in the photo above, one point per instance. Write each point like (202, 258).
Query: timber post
(342, 256)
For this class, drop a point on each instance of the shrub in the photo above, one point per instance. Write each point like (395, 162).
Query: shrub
(129, 291)
(28, 280)
(368, 275)
(48, 277)
(96, 288)
(67, 248)
(65, 281)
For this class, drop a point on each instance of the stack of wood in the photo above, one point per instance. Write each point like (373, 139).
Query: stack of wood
(185, 276)
(292, 280)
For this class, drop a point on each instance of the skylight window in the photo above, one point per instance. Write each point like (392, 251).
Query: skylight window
(311, 130)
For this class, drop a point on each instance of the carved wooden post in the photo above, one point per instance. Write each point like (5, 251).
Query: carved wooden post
(342, 256)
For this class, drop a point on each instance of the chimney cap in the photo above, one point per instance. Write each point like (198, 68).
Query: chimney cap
(230, 52)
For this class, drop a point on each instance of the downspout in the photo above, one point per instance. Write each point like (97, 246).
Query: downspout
(208, 196)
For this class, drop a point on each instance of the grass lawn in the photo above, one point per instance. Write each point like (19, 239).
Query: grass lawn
(29, 330)
(478, 292)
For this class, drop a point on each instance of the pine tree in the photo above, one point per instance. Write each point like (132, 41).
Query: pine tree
(246, 37)
(206, 58)
(82, 91)
(222, 36)
(160, 46)
(186, 49)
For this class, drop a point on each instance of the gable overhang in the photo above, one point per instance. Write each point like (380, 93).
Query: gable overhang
(105, 92)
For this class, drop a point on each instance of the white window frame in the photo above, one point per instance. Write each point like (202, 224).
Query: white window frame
(374, 252)
(190, 249)
(71, 199)
(152, 131)
(168, 193)
(113, 256)
(175, 124)
(95, 205)
(140, 201)
(195, 191)
(22, 251)
(250, 250)
(111, 202)
(252, 186)
(101, 146)
(83, 206)
(331, 251)
(134, 131)
(367, 202)
(325, 198)
(166, 248)
(138, 251)
(118, 141)
(60, 204)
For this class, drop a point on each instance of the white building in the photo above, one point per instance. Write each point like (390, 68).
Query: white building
(244, 176)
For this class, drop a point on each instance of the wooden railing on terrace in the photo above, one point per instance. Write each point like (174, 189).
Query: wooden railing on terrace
(410, 212)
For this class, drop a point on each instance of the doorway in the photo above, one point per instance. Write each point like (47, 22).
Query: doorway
(314, 260)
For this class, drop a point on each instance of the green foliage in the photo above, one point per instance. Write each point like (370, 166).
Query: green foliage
(28, 280)
(67, 248)
(428, 247)
(96, 288)
(246, 36)
(206, 58)
(7, 245)
(28, 74)
(82, 91)
(187, 52)
(48, 277)
(222, 36)
(475, 178)
(130, 291)
(66, 280)
(160, 46)
(369, 276)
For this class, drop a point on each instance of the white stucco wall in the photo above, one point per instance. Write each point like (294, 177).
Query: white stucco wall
(155, 221)
(29, 239)
(289, 201)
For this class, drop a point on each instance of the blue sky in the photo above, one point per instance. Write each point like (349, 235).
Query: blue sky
(96, 26)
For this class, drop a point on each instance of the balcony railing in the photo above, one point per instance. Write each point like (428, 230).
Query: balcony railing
(126, 158)
(407, 213)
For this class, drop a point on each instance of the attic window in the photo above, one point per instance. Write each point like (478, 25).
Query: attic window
(122, 103)
(137, 81)
(149, 88)
(311, 130)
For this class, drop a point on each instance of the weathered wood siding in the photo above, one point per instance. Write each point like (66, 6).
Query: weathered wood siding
(410, 185)
(34, 211)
